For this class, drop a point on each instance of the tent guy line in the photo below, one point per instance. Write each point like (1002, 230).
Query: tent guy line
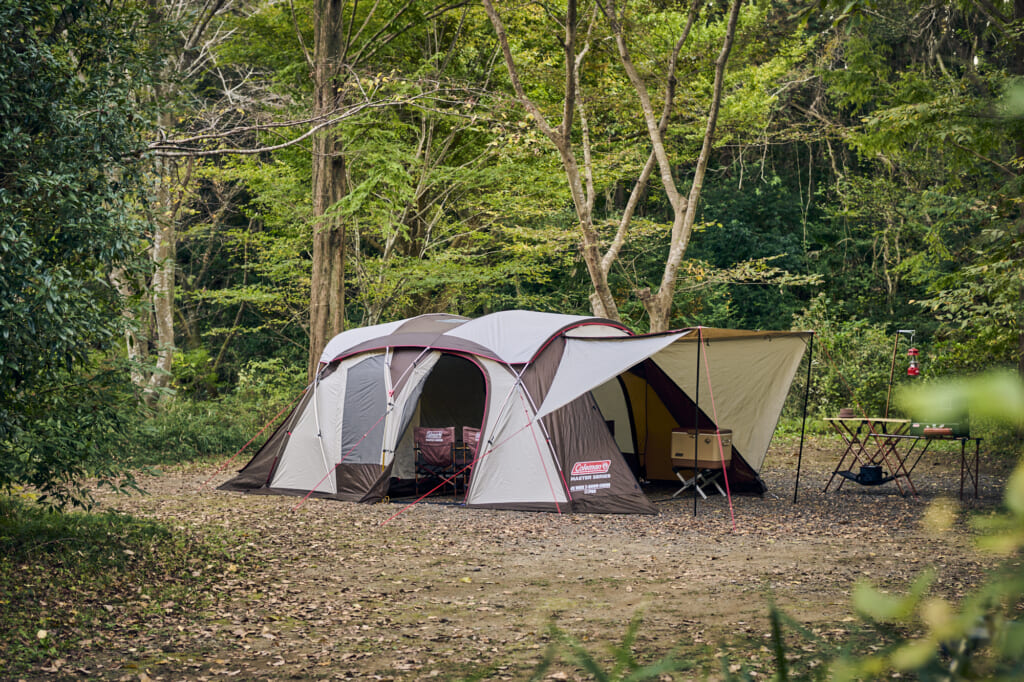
(718, 432)
(249, 442)
(543, 464)
(448, 480)
(340, 461)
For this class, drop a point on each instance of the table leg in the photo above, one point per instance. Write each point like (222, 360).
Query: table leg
(839, 466)
(888, 453)
(852, 440)
(963, 464)
(977, 456)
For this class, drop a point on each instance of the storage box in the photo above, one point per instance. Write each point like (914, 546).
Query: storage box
(708, 455)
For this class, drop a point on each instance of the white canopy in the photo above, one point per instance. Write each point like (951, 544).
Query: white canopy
(744, 376)
(589, 362)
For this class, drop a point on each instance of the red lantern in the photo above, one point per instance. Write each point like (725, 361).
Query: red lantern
(913, 370)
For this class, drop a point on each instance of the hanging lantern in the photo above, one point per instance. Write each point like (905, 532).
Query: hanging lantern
(913, 370)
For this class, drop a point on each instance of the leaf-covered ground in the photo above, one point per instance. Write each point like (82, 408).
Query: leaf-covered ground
(338, 591)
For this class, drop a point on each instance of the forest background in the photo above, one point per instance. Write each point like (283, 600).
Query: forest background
(195, 194)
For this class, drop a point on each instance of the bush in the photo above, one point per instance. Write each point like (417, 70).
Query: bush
(185, 430)
(851, 364)
(74, 429)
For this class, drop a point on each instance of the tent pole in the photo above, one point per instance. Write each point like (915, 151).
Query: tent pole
(550, 442)
(803, 422)
(696, 420)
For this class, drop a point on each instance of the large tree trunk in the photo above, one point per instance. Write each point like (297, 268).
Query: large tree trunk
(327, 284)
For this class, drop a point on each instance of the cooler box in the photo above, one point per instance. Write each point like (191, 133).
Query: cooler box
(708, 456)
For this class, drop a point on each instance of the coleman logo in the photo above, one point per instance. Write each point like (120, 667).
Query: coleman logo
(591, 468)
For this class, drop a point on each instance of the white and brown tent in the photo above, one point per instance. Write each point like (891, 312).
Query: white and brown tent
(572, 410)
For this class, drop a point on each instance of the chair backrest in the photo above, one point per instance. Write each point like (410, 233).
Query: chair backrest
(435, 444)
(470, 441)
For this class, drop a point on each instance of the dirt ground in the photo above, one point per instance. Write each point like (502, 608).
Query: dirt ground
(346, 591)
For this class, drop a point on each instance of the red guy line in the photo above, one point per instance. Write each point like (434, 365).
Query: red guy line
(718, 433)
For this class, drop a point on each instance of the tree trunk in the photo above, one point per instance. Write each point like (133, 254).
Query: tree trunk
(602, 302)
(136, 334)
(327, 284)
(163, 253)
(659, 305)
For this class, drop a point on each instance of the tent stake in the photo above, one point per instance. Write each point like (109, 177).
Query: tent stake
(803, 422)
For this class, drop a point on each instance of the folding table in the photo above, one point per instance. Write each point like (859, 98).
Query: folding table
(873, 441)
(876, 440)
(968, 470)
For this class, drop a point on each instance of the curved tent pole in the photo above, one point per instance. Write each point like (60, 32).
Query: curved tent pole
(547, 439)
(331, 470)
(803, 421)
(529, 422)
(390, 393)
(316, 416)
(507, 404)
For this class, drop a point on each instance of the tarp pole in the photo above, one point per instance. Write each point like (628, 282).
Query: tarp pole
(803, 422)
(696, 419)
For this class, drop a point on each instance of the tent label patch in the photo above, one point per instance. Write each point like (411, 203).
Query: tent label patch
(591, 468)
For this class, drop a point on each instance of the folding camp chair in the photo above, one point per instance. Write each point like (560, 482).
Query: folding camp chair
(465, 453)
(703, 466)
(435, 453)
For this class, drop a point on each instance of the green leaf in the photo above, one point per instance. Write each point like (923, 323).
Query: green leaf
(883, 607)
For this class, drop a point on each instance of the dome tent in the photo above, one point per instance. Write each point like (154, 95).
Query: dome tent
(571, 409)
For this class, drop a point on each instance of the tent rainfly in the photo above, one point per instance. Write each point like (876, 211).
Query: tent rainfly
(572, 410)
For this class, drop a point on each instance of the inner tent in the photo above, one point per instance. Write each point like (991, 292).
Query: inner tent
(453, 394)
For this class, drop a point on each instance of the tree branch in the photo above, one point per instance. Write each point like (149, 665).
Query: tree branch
(183, 147)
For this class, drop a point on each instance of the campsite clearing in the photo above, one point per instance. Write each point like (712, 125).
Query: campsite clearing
(327, 592)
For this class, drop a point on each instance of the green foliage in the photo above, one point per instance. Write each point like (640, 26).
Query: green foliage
(69, 135)
(185, 429)
(193, 374)
(76, 428)
(930, 89)
(852, 362)
(62, 575)
(624, 667)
